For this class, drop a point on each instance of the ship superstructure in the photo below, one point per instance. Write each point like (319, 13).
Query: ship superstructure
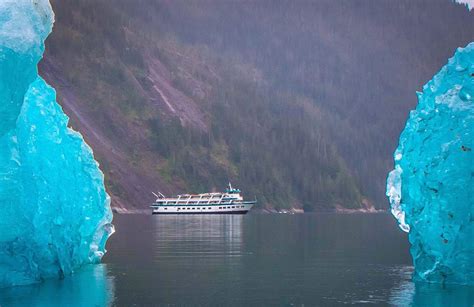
(228, 202)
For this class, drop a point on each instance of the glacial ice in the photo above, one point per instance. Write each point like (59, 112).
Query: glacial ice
(468, 3)
(431, 189)
(55, 214)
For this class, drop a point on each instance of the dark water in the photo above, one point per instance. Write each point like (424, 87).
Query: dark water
(252, 260)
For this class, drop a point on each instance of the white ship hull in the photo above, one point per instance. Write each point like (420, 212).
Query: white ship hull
(235, 208)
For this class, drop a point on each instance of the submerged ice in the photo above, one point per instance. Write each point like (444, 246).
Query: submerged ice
(54, 212)
(431, 189)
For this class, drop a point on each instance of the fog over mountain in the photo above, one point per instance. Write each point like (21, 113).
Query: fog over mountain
(299, 103)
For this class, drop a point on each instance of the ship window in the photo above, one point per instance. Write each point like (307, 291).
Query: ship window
(166, 208)
(220, 207)
(209, 208)
(194, 208)
(233, 206)
(189, 208)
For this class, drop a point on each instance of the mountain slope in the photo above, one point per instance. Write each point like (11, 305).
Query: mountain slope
(360, 62)
(297, 103)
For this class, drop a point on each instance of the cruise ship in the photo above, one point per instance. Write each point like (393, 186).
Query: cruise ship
(228, 202)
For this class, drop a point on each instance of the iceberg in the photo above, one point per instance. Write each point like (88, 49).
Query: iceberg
(431, 189)
(55, 214)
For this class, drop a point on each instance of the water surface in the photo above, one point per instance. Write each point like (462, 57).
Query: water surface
(251, 260)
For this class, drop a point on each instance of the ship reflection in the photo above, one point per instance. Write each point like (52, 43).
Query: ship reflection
(91, 286)
(409, 293)
(182, 236)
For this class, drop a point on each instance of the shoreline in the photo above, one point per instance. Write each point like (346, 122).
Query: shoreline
(123, 211)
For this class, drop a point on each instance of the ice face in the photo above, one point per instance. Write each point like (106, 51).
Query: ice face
(24, 25)
(431, 189)
(468, 3)
(54, 212)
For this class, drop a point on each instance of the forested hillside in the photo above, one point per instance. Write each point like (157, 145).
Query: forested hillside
(298, 103)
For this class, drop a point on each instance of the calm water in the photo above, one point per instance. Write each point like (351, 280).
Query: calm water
(252, 260)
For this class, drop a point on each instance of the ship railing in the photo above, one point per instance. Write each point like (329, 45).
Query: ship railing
(159, 195)
(193, 203)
